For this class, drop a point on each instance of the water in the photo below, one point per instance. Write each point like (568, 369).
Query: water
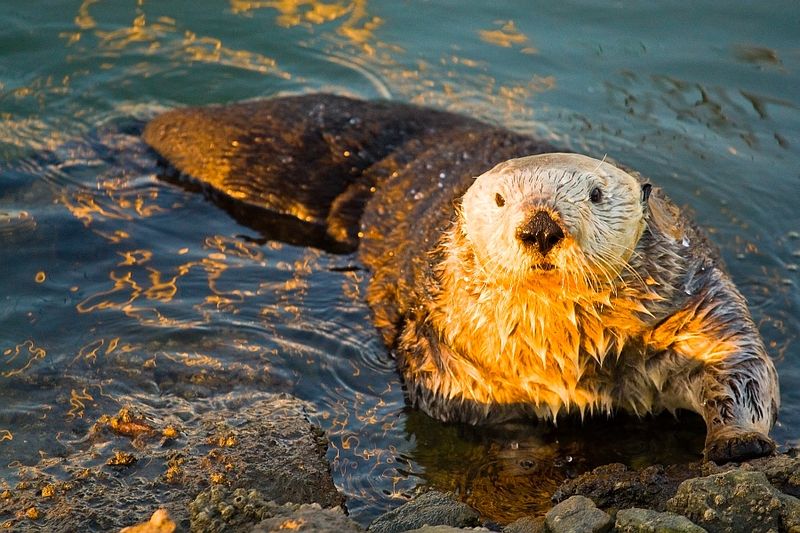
(120, 289)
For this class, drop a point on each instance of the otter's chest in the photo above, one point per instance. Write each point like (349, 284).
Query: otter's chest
(552, 353)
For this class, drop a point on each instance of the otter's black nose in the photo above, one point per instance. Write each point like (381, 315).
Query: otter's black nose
(541, 231)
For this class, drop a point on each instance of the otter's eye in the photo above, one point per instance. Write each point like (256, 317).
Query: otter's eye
(596, 195)
(499, 200)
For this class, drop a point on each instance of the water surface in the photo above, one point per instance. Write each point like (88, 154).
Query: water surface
(122, 289)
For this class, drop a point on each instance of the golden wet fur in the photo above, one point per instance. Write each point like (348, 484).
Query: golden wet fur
(632, 309)
(538, 328)
(586, 328)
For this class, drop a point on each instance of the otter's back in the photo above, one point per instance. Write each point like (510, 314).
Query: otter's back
(302, 157)
(304, 169)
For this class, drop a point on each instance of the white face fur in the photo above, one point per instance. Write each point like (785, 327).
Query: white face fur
(600, 229)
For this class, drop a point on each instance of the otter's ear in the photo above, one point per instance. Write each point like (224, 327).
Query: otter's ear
(646, 188)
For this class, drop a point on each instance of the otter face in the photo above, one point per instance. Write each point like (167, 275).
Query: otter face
(557, 214)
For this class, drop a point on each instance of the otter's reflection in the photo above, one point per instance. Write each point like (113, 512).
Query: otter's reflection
(511, 470)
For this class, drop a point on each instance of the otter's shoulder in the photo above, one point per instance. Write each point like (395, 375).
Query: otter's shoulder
(674, 255)
(675, 228)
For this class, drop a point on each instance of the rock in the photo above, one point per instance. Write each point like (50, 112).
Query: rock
(791, 514)
(527, 524)
(782, 470)
(431, 508)
(614, 486)
(445, 529)
(271, 446)
(737, 500)
(160, 522)
(264, 444)
(577, 513)
(220, 509)
(647, 521)
(306, 517)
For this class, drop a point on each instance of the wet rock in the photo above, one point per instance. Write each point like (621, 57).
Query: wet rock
(614, 486)
(271, 447)
(220, 509)
(737, 500)
(307, 517)
(577, 513)
(527, 524)
(119, 459)
(782, 470)
(126, 422)
(648, 521)
(431, 508)
(264, 444)
(160, 522)
(445, 529)
(791, 514)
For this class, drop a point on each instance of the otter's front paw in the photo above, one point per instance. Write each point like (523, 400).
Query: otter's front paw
(732, 444)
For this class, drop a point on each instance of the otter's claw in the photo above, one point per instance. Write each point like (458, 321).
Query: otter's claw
(725, 448)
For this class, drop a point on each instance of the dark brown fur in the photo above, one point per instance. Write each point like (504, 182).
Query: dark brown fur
(385, 177)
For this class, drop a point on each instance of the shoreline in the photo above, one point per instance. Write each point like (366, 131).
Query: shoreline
(260, 465)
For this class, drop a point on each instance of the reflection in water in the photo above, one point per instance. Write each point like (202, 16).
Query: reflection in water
(508, 36)
(163, 38)
(21, 357)
(511, 470)
(355, 23)
(757, 54)
(465, 88)
(724, 113)
(76, 402)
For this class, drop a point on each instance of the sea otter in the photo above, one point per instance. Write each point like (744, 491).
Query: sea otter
(509, 279)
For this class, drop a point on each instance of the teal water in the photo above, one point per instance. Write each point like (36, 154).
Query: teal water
(120, 289)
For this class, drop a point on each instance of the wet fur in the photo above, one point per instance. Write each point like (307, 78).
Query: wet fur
(651, 335)
(661, 328)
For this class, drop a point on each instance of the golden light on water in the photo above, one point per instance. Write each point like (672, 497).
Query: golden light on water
(77, 403)
(162, 36)
(84, 20)
(26, 353)
(212, 308)
(135, 257)
(89, 352)
(234, 247)
(355, 22)
(507, 36)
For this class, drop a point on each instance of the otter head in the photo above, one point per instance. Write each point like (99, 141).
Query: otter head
(563, 215)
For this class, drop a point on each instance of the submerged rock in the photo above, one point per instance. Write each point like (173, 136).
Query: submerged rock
(265, 445)
(432, 509)
(737, 500)
(577, 513)
(648, 521)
